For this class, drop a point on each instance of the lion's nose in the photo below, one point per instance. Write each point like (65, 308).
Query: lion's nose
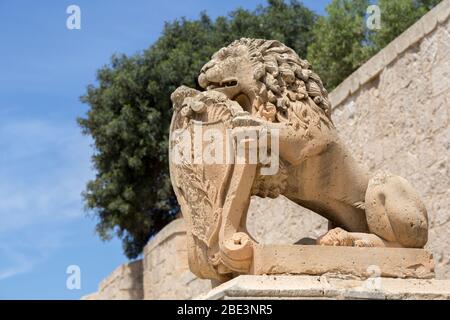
(202, 81)
(207, 66)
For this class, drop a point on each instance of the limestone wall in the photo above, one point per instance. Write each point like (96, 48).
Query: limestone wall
(166, 270)
(397, 118)
(124, 283)
(281, 221)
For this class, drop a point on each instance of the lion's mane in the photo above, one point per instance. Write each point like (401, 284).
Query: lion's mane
(289, 90)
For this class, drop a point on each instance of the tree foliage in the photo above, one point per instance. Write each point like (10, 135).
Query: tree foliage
(396, 17)
(339, 49)
(343, 42)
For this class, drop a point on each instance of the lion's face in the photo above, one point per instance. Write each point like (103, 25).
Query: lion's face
(231, 72)
(268, 80)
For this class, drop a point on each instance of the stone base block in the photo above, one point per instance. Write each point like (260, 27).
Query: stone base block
(324, 287)
(343, 261)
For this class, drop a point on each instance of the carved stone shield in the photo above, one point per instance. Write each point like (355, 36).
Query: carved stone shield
(200, 183)
(212, 190)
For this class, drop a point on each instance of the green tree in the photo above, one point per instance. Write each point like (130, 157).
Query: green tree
(130, 110)
(343, 42)
(338, 49)
(396, 17)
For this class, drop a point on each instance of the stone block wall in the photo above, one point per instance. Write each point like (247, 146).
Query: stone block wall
(124, 283)
(398, 119)
(280, 221)
(166, 270)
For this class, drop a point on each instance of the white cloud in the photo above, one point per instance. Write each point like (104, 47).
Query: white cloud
(44, 167)
(21, 254)
(43, 170)
(18, 264)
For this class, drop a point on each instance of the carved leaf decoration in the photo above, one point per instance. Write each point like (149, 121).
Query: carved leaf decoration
(218, 112)
(202, 198)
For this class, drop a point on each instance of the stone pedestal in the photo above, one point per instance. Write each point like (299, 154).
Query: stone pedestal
(342, 261)
(327, 287)
(323, 272)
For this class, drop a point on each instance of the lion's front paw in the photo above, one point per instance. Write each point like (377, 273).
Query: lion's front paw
(340, 237)
(363, 243)
(336, 237)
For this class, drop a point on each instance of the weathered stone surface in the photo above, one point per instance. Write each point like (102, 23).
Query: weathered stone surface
(343, 261)
(442, 11)
(371, 69)
(124, 283)
(409, 37)
(166, 273)
(341, 92)
(429, 22)
(280, 221)
(325, 287)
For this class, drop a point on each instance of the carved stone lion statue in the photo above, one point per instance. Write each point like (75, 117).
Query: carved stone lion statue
(264, 84)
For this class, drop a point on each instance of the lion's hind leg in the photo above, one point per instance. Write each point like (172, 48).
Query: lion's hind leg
(395, 215)
(395, 212)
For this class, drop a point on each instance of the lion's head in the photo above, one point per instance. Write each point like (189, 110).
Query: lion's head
(269, 80)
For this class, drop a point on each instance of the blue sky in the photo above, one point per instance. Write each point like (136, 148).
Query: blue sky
(44, 159)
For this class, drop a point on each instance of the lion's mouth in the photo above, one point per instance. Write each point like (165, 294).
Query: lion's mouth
(226, 83)
(230, 86)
